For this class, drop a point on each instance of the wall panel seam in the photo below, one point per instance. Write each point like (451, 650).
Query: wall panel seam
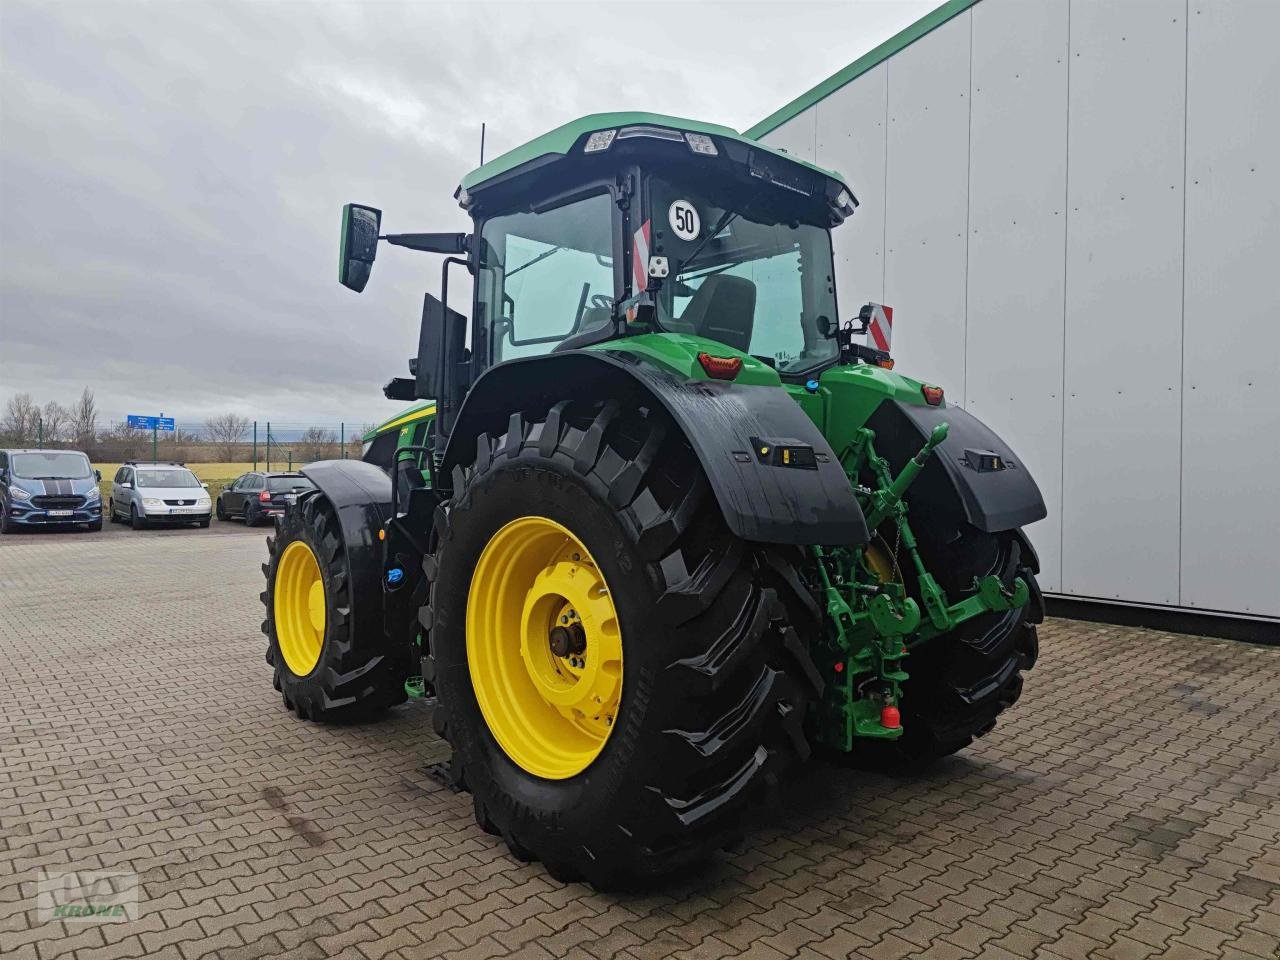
(1182, 351)
(884, 196)
(1066, 254)
(968, 207)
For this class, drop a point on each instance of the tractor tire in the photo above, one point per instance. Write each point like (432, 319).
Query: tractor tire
(714, 682)
(960, 682)
(322, 668)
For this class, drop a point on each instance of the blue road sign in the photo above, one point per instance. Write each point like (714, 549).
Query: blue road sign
(150, 423)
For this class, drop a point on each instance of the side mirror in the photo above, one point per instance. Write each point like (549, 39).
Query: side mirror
(126, 485)
(827, 327)
(359, 245)
(205, 485)
(97, 475)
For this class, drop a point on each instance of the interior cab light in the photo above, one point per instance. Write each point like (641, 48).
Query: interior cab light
(932, 395)
(720, 368)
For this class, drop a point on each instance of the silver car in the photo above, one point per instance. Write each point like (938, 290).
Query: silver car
(157, 493)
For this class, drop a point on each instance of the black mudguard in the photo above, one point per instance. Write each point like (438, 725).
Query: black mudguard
(361, 496)
(973, 473)
(807, 500)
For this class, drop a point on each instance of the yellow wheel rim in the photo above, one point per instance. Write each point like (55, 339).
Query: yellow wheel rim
(544, 648)
(299, 608)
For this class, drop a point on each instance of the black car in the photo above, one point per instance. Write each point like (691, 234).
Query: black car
(253, 496)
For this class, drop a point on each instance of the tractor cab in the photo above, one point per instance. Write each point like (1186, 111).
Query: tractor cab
(628, 223)
(623, 223)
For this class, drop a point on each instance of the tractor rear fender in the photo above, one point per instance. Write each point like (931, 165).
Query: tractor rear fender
(361, 497)
(739, 434)
(973, 475)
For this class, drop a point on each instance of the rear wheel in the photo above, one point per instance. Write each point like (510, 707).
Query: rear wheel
(250, 518)
(323, 667)
(961, 681)
(617, 673)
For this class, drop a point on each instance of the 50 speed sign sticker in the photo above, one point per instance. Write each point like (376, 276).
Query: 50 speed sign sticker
(684, 220)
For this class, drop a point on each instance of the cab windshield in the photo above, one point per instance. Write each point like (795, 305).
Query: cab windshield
(741, 277)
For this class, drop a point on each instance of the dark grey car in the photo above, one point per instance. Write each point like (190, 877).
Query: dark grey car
(256, 496)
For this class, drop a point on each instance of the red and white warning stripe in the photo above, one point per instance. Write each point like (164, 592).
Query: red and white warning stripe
(640, 258)
(880, 330)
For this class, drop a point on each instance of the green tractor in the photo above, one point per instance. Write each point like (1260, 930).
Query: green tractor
(667, 526)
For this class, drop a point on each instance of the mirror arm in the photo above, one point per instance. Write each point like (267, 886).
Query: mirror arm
(453, 243)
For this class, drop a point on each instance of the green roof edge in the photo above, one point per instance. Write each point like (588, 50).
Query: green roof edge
(929, 22)
(558, 141)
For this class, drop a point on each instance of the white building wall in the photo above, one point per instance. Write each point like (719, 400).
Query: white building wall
(1072, 207)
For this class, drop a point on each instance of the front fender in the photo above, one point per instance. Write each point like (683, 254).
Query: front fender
(726, 424)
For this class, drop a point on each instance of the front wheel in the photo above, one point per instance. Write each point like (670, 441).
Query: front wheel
(135, 520)
(222, 514)
(617, 673)
(323, 621)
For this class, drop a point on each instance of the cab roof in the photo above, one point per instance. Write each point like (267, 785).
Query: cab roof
(561, 140)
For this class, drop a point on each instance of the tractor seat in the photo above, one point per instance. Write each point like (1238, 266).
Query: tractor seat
(723, 308)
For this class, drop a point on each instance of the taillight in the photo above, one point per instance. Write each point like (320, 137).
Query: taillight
(720, 368)
(264, 497)
(932, 395)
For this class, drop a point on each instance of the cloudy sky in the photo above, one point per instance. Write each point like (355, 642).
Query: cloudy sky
(172, 173)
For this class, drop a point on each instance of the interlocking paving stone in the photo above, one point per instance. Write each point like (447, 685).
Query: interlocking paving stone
(1129, 806)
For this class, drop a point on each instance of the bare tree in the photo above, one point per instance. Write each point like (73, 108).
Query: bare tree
(53, 422)
(317, 443)
(84, 420)
(21, 417)
(227, 431)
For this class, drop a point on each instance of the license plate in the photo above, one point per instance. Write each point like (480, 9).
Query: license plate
(192, 510)
(60, 513)
(290, 498)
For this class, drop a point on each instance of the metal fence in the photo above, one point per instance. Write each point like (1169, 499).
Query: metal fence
(244, 442)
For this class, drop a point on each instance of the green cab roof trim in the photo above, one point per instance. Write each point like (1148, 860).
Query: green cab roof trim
(561, 140)
(926, 24)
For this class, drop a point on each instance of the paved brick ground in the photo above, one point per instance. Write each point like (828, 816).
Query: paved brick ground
(1129, 807)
